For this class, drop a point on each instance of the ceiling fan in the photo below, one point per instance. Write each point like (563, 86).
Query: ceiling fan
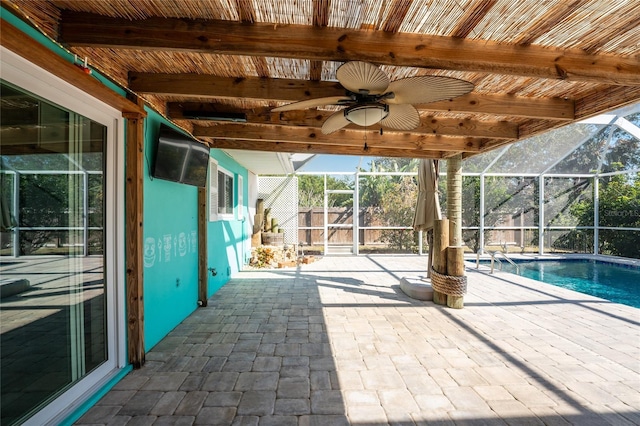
(371, 99)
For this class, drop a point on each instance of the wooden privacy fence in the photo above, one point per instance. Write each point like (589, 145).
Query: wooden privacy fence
(311, 223)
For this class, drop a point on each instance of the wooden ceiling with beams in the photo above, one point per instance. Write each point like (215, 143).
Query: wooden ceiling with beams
(536, 64)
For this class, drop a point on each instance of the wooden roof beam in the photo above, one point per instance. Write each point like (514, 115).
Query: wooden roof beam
(356, 138)
(289, 90)
(340, 44)
(314, 118)
(26, 47)
(320, 19)
(309, 148)
(247, 14)
(274, 89)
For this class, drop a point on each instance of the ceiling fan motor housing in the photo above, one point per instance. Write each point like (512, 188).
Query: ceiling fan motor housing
(366, 114)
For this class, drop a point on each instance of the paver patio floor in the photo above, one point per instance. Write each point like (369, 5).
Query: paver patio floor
(337, 342)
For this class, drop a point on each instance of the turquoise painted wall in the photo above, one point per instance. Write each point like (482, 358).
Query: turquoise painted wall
(171, 246)
(229, 241)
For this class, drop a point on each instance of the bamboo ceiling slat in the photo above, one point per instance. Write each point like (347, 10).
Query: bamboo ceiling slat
(530, 87)
(435, 17)
(288, 68)
(394, 15)
(592, 24)
(280, 12)
(595, 23)
(371, 14)
(549, 21)
(320, 13)
(141, 9)
(543, 89)
(169, 62)
(240, 103)
(598, 25)
(508, 19)
(472, 17)
(45, 16)
(476, 117)
(245, 10)
(622, 39)
(348, 13)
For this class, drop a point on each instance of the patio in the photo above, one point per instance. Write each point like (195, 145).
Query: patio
(336, 342)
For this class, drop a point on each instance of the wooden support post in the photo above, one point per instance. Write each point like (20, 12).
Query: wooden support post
(455, 268)
(258, 219)
(440, 244)
(454, 199)
(134, 238)
(455, 252)
(203, 255)
(267, 220)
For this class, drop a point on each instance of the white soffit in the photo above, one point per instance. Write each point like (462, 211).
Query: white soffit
(263, 163)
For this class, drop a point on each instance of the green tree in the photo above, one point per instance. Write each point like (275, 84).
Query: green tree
(398, 206)
(392, 164)
(389, 200)
(311, 191)
(45, 201)
(373, 188)
(503, 198)
(619, 199)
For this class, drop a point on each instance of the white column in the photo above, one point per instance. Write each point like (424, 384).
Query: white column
(596, 213)
(326, 218)
(541, 214)
(356, 214)
(482, 210)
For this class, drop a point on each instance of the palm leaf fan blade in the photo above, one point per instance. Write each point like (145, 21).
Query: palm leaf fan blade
(312, 103)
(401, 117)
(357, 76)
(336, 121)
(427, 88)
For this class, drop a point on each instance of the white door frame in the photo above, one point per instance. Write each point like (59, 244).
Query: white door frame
(16, 70)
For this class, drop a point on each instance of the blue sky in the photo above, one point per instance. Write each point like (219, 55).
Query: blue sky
(335, 163)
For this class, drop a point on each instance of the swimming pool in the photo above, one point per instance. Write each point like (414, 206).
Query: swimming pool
(614, 282)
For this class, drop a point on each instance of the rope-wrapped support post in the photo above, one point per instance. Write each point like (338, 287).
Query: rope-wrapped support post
(452, 287)
(440, 244)
(455, 268)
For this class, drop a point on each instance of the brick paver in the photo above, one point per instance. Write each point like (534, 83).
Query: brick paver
(336, 342)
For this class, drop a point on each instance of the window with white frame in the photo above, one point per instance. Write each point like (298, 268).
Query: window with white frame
(225, 193)
(240, 198)
(221, 197)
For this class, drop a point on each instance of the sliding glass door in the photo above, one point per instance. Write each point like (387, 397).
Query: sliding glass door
(57, 300)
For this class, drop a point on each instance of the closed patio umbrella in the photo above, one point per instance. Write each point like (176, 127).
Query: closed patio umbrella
(428, 204)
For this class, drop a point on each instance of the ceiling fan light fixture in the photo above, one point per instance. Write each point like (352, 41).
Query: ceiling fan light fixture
(366, 115)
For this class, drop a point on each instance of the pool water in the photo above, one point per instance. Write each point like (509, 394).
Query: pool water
(617, 283)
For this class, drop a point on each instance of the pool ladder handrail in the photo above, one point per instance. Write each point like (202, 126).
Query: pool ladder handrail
(493, 254)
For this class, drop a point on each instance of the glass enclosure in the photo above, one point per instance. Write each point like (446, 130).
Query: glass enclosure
(572, 190)
(53, 328)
